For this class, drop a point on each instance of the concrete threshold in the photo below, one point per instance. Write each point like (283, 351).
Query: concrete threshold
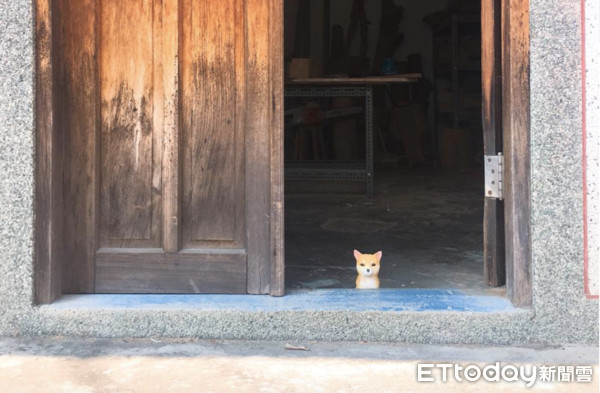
(393, 300)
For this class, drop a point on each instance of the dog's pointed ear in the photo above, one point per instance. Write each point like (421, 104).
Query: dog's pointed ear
(357, 254)
(378, 255)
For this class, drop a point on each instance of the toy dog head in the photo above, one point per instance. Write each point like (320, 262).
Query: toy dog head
(368, 264)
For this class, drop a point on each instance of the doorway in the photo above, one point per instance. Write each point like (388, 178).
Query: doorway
(247, 251)
(428, 213)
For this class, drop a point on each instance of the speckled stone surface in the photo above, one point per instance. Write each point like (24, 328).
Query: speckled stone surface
(560, 313)
(560, 304)
(16, 158)
(592, 139)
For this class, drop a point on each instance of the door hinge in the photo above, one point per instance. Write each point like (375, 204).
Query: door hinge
(494, 176)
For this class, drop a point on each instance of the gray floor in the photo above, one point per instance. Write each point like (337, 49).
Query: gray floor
(427, 222)
(30, 365)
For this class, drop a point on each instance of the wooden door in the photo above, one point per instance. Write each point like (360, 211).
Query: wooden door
(165, 110)
(491, 62)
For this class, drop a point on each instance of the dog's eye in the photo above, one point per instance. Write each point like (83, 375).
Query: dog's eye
(362, 264)
(372, 264)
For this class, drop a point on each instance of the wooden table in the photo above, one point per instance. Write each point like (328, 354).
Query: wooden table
(364, 81)
(341, 87)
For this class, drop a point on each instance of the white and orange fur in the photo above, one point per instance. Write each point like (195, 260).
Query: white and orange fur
(367, 266)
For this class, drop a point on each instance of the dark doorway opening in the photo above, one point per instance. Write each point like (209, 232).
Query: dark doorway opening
(427, 209)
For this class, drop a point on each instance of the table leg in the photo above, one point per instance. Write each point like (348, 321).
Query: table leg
(369, 139)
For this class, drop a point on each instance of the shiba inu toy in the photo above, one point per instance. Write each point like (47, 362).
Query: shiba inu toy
(367, 266)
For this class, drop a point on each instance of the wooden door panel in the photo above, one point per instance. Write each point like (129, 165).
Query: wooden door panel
(158, 272)
(130, 149)
(156, 152)
(212, 130)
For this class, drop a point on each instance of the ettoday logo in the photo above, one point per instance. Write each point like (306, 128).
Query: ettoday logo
(428, 372)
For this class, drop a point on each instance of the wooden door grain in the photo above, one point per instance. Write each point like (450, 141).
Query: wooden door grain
(168, 114)
(516, 124)
(77, 116)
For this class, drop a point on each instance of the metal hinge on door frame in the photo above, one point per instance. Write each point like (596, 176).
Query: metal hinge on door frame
(494, 176)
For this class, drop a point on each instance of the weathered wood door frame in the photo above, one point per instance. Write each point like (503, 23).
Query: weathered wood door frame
(506, 121)
(494, 267)
(265, 65)
(516, 119)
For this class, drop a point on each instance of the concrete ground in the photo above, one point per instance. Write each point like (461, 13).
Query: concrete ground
(153, 365)
(427, 222)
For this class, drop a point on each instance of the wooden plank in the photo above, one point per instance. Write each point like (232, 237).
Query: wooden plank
(171, 140)
(277, 287)
(213, 196)
(48, 166)
(157, 272)
(516, 120)
(76, 96)
(258, 158)
(131, 147)
(491, 68)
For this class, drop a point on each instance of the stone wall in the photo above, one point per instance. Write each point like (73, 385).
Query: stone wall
(560, 312)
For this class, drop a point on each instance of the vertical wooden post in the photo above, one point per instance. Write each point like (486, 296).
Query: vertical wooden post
(47, 272)
(491, 67)
(258, 111)
(77, 100)
(276, 127)
(516, 120)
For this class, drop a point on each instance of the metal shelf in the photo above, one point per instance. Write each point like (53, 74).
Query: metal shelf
(326, 170)
(336, 170)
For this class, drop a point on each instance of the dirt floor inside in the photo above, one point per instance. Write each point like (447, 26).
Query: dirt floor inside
(427, 222)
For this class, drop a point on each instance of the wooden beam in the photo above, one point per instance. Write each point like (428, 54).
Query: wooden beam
(277, 195)
(516, 120)
(47, 271)
(259, 103)
(77, 100)
(491, 67)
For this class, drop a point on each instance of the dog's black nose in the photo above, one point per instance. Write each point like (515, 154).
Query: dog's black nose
(368, 270)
